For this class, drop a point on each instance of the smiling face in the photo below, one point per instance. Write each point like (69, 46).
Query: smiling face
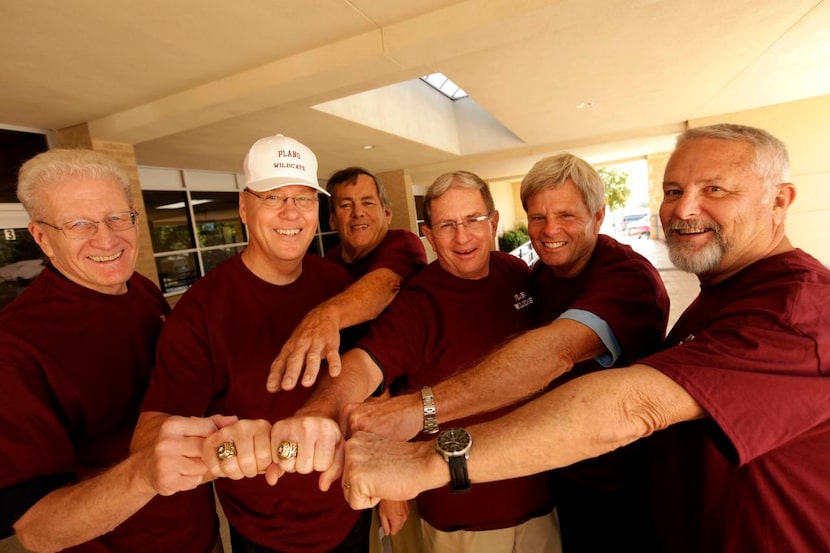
(278, 237)
(103, 262)
(716, 213)
(359, 217)
(465, 250)
(562, 230)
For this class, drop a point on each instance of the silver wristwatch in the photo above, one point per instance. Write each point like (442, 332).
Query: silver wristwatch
(430, 421)
(454, 446)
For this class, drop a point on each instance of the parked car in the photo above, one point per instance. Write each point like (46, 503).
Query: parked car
(638, 226)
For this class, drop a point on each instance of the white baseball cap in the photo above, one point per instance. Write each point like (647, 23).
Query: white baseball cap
(278, 160)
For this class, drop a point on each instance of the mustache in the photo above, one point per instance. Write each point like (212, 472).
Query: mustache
(694, 225)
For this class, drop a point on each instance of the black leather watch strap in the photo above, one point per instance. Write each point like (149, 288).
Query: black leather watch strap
(459, 479)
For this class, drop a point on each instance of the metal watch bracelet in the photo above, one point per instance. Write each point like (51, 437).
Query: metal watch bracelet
(430, 421)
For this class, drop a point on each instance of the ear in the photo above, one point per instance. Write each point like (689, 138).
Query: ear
(599, 217)
(430, 237)
(388, 212)
(494, 221)
(41, 239)
(332, 221)
(784, 197)
(243, 212)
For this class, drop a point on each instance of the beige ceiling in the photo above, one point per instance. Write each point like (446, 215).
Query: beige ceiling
(193, 83)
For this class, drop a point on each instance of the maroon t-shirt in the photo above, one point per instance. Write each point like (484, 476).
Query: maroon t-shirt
(74, 365)
(754, 351)
(619, 286)
(400, 251)
(213, 357)
(437, 325)
(599, 508)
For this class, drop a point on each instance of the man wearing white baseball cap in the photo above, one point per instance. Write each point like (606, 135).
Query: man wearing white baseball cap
(216, 348)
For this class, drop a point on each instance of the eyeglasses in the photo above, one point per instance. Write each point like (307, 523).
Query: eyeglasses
(80, 229)
(305, 202)
(472, 224)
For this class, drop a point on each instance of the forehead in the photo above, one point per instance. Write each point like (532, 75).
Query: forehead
(565, 197)
(84, 196)
(292, 190)
(362, 187)
(458, 202)
(709, 158)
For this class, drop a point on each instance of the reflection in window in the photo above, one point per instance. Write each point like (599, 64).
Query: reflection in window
(20, 263)
(192, 232)
(217, 218)
(169, 220)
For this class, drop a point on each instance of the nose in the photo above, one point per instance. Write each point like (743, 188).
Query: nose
(104, 235)
(290, 208)
(549, 226)
(685, 205)
(462, 233)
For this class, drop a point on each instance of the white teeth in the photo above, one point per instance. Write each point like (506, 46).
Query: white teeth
(553, 245)
(104, 258)
(288, 231)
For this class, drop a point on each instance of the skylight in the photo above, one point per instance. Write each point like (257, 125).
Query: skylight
(442, 84)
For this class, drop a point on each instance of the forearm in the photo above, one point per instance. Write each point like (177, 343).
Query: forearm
(518, 370)
(146, 429)
(581, 419)
(359, 378)
(364, 300)
(78, 513)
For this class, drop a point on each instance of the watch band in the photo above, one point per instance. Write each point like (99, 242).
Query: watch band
(459, 479)
(430, 421)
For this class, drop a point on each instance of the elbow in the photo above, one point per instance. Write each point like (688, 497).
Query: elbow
(644, 417)
(32, 540)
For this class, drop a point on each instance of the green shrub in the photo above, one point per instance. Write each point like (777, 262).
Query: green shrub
(512, 239)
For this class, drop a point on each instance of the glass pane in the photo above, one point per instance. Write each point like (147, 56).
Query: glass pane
(15, 148)
(217, 218)
(20, 262)
(177, 271)
(169, 220)
(212, 258)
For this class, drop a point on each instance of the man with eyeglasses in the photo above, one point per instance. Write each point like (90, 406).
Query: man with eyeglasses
(445, 318)
(379, 259)
(732, 411)
(76, 349)
(600, 305)
(218, 343)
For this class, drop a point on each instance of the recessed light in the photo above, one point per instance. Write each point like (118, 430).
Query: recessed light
(368, 146)
(583, 105)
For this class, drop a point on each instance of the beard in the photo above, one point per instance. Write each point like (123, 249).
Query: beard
(696, 259)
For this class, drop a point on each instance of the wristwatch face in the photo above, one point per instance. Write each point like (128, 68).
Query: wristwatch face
(454, 441)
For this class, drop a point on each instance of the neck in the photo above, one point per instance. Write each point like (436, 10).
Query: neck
(781, 246)
(272, 271)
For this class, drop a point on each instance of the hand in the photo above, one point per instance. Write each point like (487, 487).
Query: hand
(319, 448)
(378, 468)
(400, 417)
(174, 461)
(252, 440)
(317, 337)
(392, 516)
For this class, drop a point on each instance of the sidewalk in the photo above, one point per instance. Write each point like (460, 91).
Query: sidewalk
(682, 287)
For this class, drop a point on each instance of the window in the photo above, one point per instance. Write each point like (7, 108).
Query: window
(194, 223)
(444, 85)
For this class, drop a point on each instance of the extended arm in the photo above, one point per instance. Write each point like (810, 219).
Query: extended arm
(80, 512)
(317, 337)
(584, 418)
(519, 369)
